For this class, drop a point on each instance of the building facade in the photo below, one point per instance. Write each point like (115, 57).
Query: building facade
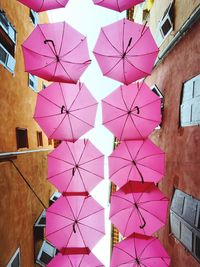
(175, 26)
(23, 145)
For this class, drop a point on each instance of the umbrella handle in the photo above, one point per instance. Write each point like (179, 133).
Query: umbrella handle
(73, 171)
(54, 48)
(144, 222)
(74, 229)
(138, 110)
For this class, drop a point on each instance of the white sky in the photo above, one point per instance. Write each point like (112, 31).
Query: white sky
(87, 18)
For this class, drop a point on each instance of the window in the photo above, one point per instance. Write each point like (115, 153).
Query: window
(15, 260)
(184, 221)
(190, 102)
(165, 26)
(54, 197)
(34, 17)
(32, 82)
(39, 139)
(41, 221)
(155, 89)
(22, 138)
(44, 85)
(7, 43)
(50, 142)
(46, 253)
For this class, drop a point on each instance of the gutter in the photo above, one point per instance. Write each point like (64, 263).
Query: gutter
(194, 17)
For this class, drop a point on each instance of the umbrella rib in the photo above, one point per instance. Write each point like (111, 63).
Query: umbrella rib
(67, 72)
(81, 235)
(66, 199)
(37, 53)
(146, 54)
(89, 106)
(114, 106)
(126, 252)
(138, 91)
(84, 200)
(107, 56)
(82, 180)
(46, 39)
(106, 73)
(150, 103)
(120, 157)
(61, 43)
(49, 100)
(41, 6)
(146, 73)
(155, 200)
(71, 154)
(93, 159)
(72, 132)
(51, 177)
(59, 230)
(125, 229)
(85, 144)
(51, 156)
(47, 65)
(91, 172)
(60, 215)
(151, 155)
(142, 33)
(63, 5)
(110, 42)
(75, 48)
(81, 120)
(152, 214)
(119, 170)
(82, 218)
(151, 241)
(58, 126)
(61, 89)
(122, 96)
(92, 228)
(136, 127)
(122, 131)
(150, 168)
(80, 87)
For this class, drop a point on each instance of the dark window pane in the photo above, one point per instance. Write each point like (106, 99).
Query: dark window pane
(39, 139)
(15, 262)
(166, 27)
(46, 258)
(197, 247)
(3, 55)
(22, 138)
(42, 220)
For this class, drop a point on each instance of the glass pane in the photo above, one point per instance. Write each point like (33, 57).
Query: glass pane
(175, 225)
(15, 262)
(3, 55)
(46, 258)
(186, 237)
(197, 247)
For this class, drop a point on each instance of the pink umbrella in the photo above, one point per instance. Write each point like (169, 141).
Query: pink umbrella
(142, 206)
(43, 5)
(74, 222)
(139, 160)
(131, 112)
(118, 5)
(139, 250)
(75, 261)
(75, 167)
(65, 111)
(125, 51)
(50, 54)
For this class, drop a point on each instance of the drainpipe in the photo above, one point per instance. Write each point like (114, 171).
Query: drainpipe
(194, 17)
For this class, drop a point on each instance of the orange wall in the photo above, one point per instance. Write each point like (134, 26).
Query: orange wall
(17, 99)
(19, 206)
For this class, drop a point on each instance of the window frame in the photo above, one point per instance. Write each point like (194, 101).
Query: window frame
(34, 17)
(178, 213)
(33, 79)
(9, 31)
(39, 138)
(44, 248)
(187, 102)
(17, 137)
(17, 252)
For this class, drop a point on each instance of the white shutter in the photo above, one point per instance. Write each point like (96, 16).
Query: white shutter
(11, 63)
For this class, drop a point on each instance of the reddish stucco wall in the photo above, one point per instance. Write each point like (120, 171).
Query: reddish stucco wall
(181, 145)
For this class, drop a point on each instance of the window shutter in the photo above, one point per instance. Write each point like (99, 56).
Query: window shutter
(11, 63)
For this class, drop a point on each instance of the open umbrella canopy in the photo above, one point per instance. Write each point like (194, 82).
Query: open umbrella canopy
(43, 5)
(131, 112)
(75, 261)
(65, 111)
(56, 52)
(117, 5)
(138, 160)
(74, 221)
(142, 206)
(75, 167)
(138, 251)
(125, 51)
